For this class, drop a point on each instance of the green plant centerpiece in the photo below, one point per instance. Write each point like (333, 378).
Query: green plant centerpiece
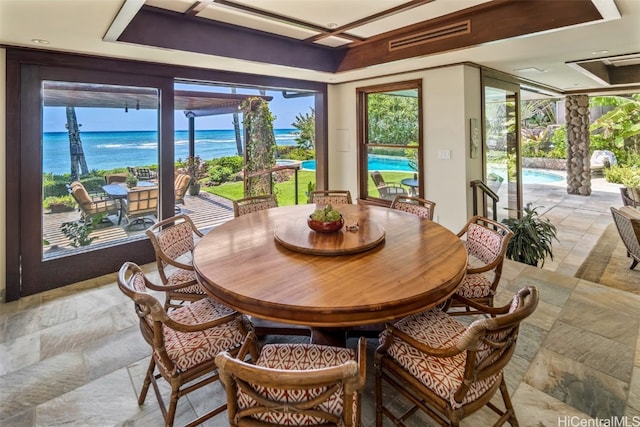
(532, 237)
(131, 180)
(325, 220)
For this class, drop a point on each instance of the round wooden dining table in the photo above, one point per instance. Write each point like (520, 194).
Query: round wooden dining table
(270, 265)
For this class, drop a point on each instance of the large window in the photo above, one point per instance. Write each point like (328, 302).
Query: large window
(390, 141)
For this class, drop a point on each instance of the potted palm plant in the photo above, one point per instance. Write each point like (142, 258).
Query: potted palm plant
(532, 237)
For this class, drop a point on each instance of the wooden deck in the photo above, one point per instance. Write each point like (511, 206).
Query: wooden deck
(206, 210)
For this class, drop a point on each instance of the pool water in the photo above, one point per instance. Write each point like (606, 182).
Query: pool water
(530, 176)
(534, 176)
(375, 163)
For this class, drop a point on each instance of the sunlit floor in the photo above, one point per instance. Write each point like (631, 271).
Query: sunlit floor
(74, 356)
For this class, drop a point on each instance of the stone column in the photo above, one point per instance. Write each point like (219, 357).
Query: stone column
(578, 159)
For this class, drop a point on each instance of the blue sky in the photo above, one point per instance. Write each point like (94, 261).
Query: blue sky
(103, 119)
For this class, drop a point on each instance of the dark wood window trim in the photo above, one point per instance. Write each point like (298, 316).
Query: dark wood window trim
(26, 66)
(362, 135)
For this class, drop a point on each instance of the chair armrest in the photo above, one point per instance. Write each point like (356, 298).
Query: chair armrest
(481, 308)
(487, 267)
(182, 327)
(392, 332)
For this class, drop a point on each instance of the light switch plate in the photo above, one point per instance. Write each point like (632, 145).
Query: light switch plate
(444, 154)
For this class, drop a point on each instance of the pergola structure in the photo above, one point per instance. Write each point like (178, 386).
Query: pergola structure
(193, 103)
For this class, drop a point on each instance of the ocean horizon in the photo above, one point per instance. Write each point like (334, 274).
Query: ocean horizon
(113, 149)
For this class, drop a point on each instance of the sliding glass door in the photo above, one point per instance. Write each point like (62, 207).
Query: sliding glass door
(91, 144)
(502, 157)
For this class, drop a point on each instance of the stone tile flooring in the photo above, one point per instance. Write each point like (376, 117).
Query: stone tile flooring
(74, 356)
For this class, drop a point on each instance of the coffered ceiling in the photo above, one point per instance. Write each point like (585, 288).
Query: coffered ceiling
(566, 45)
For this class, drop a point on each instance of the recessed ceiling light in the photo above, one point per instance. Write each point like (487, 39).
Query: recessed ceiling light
(332, 25)
(40, 41)
(599, 52)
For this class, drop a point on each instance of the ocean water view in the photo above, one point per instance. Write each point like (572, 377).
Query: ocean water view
(108, 150)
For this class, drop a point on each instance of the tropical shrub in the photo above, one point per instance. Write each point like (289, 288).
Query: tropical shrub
(627, 176)
(219, 174)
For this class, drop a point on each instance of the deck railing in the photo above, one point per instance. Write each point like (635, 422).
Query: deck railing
(295, 167)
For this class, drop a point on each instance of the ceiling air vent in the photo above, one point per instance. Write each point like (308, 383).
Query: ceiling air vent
(445, 32)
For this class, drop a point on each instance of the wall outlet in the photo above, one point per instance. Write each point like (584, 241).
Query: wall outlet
(444, 154)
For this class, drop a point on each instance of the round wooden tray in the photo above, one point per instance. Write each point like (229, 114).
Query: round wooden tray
(297, 236)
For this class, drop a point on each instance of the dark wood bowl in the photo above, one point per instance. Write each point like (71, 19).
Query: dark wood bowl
(325, 226)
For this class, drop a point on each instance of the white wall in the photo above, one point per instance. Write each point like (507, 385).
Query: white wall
(3, 178)
(451, 96)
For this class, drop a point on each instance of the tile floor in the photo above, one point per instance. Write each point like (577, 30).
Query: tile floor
(74, 356)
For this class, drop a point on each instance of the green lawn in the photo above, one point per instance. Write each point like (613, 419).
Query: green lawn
(285, 190)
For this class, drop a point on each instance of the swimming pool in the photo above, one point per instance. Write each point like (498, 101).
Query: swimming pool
(534, 176)
(530, 176)
(375, 163)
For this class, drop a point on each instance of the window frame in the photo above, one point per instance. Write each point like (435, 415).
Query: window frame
(362, 94)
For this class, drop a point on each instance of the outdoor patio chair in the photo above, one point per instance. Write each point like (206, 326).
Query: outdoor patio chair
(330, 197)
(448, 369)
(146, 174)
(293, 384)
(418, 206)
(181, 185)
(184, 341)
(173, 241)
(486, 243)
(139, 205)
(253, 204)
(115, 178)
(387, 190)
(630, 196)
(627, 220)
(91, 206)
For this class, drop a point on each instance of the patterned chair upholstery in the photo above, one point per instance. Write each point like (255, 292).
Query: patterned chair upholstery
(293, 384)
(173, 241)
(415, 205)
(184, 341)
(627, 220)
(486, 243)
(248, 205)
(330, 197)
(449, 369)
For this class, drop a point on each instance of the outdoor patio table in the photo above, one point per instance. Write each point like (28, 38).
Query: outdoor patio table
(119, 191)
(417, 265)
(411, 183)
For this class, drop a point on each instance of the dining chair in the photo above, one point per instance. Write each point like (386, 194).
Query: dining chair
(486, 243)
(173, 241)
(251, 204)
(293, 384)
(447, 369)
(330, 197)
(416, 205)
(184, 341)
